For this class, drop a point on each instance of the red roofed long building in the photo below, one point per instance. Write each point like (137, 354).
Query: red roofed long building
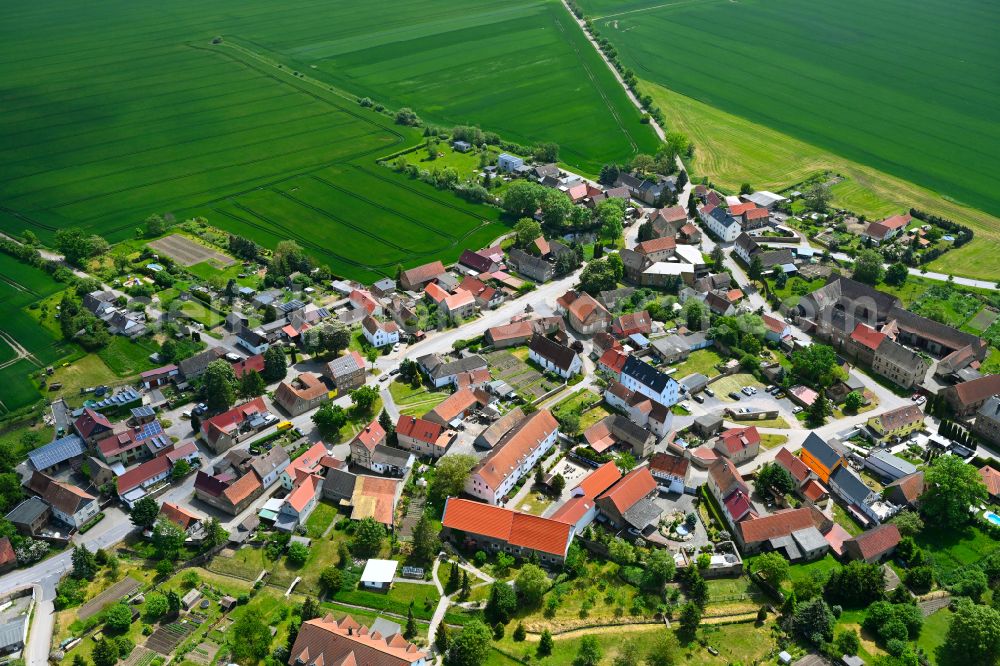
(513, 457)
(581, 509)
(495, 529)
(327, 642)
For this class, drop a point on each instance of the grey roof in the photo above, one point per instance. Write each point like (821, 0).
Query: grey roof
(707, 420)
(670, 345)
(344, 365)
(899, 355)
(895, 462)
(143, 412)
(990, 409)
(385, 284)
(196, 364)
(820, 449)
(339, 483)
(387, 455)
(646, 374)
(853, 488)
(772, 258)
(809, 539)
(723, 217)
(12, 633)
(57, 452)
(386, 627)
(694, 380)
(290, 306)
(559, 355)
(642, 513)
(123, 397)
(437, 369)
(28, 511)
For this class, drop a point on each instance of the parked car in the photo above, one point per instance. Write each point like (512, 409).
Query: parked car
(698, 398)
(796, 409)
(734, 395)
(921, 400)
(709, 392)
(747, 391)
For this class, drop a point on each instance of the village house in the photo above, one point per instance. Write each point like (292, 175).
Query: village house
(896, 424)
(131, 444)
(347, 372)
(641, 377)
(480, 262)
(362, 299)
(496, 529)
(792, 532)
(251, 340)
(133, 484)
(416, 278)
(69, 504)
(863, 501)
(227, 492)
(720, 222)
(730, 492)
(455, 408)
(369, 450)
(189, 522)
(630, 324)
(530, 266)
(580, 509)
(906, 491)
(667, 222)
(158, 377)
(627, 503)
(514, 334)
(486, 297)
(777, 330)
(807, 485)
(966, 398)
(300, 502)
(670, 471)
(617, 430)
(513, 457)
(991, 478)
(640, 409)
(30, 516)
(459, 305)
(887, 229)
(442, 373)
(553, 356)
(739, 444)
(245, 365)
(987, 423)
(224, 430)
(298, 396)
(423, 437)
(380, 333)
(308, 463)
(822, 457)
(328, 642)
(195, 366)
(585, 315)
(92, 426)
(873, 545)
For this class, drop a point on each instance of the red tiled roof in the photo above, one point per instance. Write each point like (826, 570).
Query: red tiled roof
(814, 491)
(613, 360)
(423, 273)
(156, 372)
(630, 489)
(598, 436)
(774, 525)
(178, 515)
(734, 295)
(656, 245)
(773, 324)
(242, 488)
(226, 421)
(374, 497)
(363, 298)
(738, 505)
(673, 214)
(327, 642)
(867, 336)
(735, 440)
(669, 464)
(255, 362)
(991, 478)
(875, 541)
(572, 510)
(435, 292)
(457, 403)
(372, 435)
(756, 214)
(420, 429)
(836, 538)
(142, 473)
(521, 529)
(739, 209)
(635, 322)
(599, 480)
(308, 461)
(505, 457)
(792, 464)
(877, 230)
(304, 491)
(978, 389)
(91, 421)
(521, 329)
(897, 221)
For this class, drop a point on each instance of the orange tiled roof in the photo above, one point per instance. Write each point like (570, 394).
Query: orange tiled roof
(506, 456)
(521, 529)
(630, 489)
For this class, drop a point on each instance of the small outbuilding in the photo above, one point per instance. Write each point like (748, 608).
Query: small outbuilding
(378, 574)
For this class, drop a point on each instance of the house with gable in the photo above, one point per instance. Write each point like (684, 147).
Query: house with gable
(380, 333)
(641, 377)
(554, 357)
(513, 457)
(585, 315)
(738, 444)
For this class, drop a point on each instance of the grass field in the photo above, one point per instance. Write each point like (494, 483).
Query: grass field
(828, 104)
(256, 134)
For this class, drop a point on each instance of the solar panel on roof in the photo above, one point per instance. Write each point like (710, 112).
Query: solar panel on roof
(57, 452)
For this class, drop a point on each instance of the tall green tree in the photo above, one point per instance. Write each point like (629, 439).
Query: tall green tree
(219, 384)
(105, 652)
(501, 604)
(526, 230)
(426, 543)
(251, 385)
(772, 567)
(868, 267)
(275, 364)
(531, 584)
(84, 563)
(952, 486)
(144, 513)
(451, 473)
(973, 636)
(589, 653)
(330, 418)
(368, 537)
(471, 647)
(249, 637)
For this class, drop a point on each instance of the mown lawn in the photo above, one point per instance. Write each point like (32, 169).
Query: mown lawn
(415, 401)
(126, 357)
(701, 360)
(320, 519)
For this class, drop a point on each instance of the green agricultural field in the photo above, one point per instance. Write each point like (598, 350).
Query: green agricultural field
(128, 109)
(779, 105)
(20, 287)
